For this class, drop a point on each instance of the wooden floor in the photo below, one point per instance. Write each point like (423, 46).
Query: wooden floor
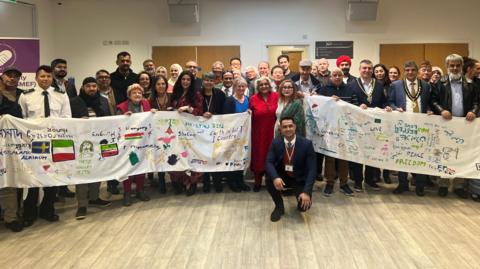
(233, 230)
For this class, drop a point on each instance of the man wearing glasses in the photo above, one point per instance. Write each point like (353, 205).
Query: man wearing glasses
(192, 66)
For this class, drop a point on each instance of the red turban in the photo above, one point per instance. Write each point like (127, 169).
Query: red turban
(343, 58)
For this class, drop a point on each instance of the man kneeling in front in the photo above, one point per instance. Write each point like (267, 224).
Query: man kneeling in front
(291, 164)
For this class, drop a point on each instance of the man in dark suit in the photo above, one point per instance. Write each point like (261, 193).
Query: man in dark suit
(411, 95)
(290, 163)
(454, 96)
(369, 93)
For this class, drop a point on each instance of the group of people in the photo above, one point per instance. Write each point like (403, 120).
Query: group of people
(274, 96)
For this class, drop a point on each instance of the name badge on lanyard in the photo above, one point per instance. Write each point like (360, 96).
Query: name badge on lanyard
(289, 167)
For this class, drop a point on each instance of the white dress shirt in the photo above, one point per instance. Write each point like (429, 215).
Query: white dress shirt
(32, 103)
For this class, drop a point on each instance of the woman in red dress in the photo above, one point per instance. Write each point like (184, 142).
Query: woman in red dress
(263, 105)
(186, 99)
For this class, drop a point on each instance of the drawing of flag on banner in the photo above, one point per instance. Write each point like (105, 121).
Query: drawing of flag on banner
(63, 150)
(133, 136)
(41, 147)
(109, 150)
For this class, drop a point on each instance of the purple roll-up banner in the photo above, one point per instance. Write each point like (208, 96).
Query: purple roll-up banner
(22, 53)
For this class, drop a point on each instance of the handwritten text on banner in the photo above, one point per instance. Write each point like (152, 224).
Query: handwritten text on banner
(406, 142)
(48, 152)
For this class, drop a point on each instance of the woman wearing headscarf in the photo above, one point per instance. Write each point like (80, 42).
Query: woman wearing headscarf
(175, 69)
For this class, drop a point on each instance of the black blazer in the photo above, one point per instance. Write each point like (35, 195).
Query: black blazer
(378, 97)
(441, 97)
(304, 161)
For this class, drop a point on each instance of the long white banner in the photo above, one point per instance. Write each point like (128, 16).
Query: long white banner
(407, 142)
(50, 152)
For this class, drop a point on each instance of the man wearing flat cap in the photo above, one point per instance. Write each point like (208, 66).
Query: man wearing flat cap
(305, 81)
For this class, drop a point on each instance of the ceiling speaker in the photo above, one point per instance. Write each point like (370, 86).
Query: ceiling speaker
(183, 11)
(362, 10)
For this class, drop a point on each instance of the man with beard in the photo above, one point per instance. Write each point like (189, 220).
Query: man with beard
(369, 92)
(123, 76)
(103, 82)
(284, 61)
(323, 72)
(453, 96)
(410, 94)
(471, 70)
(8, 196)
(88, 104)
(149, 67)
(43, 101)
(59, 67)
(344, 62)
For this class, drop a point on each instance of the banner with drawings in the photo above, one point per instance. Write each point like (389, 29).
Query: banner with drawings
(407, 142)
(49, 152)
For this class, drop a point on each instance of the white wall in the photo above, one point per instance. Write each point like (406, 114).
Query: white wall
(45, 22)
(80, 27)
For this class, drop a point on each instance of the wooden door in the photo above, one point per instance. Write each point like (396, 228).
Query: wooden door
(207, 55)
(398, 54)
(168, 55)
(436, 53)
(295, 58)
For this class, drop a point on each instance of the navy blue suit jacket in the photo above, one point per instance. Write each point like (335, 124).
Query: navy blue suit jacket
(304, 161)
(378, 97)
(398, 98)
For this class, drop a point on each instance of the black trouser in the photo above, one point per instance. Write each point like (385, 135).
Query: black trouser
(420, 180)
(47, 209)
(370, 173)
(112, 183)
(234, 178)
(290, 182)
(320, 158)
(216, 176)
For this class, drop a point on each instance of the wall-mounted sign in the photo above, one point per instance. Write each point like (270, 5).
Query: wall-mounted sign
(333, 49)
